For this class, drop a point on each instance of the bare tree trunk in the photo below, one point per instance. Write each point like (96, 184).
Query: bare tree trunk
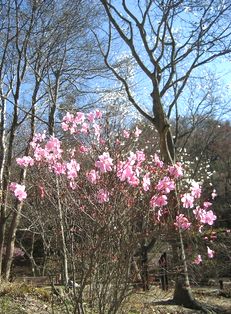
(183, 293)
(10, 244)
(7, 175)
(63, 238)
(2, 189)
(144, 267)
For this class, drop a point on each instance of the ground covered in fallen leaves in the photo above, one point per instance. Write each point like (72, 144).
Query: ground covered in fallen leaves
(156, 301)
(24, 299)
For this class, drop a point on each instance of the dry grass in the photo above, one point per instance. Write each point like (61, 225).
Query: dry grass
(25, 299)
(156, 301)
(21, 298)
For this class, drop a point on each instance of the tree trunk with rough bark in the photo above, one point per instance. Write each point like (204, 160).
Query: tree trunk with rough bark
(183, 293)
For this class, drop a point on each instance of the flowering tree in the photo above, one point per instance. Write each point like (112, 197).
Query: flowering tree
(108, 198)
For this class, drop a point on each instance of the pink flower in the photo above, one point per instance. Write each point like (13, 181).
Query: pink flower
(158, 201)
(72, 169)
(210, 252)
(73, 129)
(83, 149)
(13, 186)
(102, 196)
(146, 182)
(69, 123)
(19, 191)
(176, 170)
(126, 134)
(124, 170)
(210, 218)
(137, 132)
(196, 190)
(69, 118)
(199, 214)
(25, 161)
(91, 117)
(140, 156)
(133, 180)
(96, 128)
(40, 153)
(53, 146)
(92, 176)
(79, 118)
(102, 141)
(104, 163)
(85, 128)
(203, 216)
(182, 222)
(38, 138)
(64, 126)
(207, 204)
(197, 260)
(98, 114)
(59, 168)
(166, 185)
(159, 163)
(187, 200)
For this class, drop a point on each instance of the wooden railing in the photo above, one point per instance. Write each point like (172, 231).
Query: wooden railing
(39, 281)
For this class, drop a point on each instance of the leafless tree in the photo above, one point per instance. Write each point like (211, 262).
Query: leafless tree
(46, 47)
(169, 41)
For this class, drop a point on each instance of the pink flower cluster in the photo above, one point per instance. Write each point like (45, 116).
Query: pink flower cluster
(159, 163)
(176, 170)
(152, 179)
(50, 153)
(81, 123)
(25, 161)
(127, 134)
(182, 222)
(158, 201)
(93, 176)
(188, 199)
(104, 163)
(129, 170)
(204, 216)
(18, 190)
(198, 258)
(146, 182)
(166, 185)
(103, 196)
